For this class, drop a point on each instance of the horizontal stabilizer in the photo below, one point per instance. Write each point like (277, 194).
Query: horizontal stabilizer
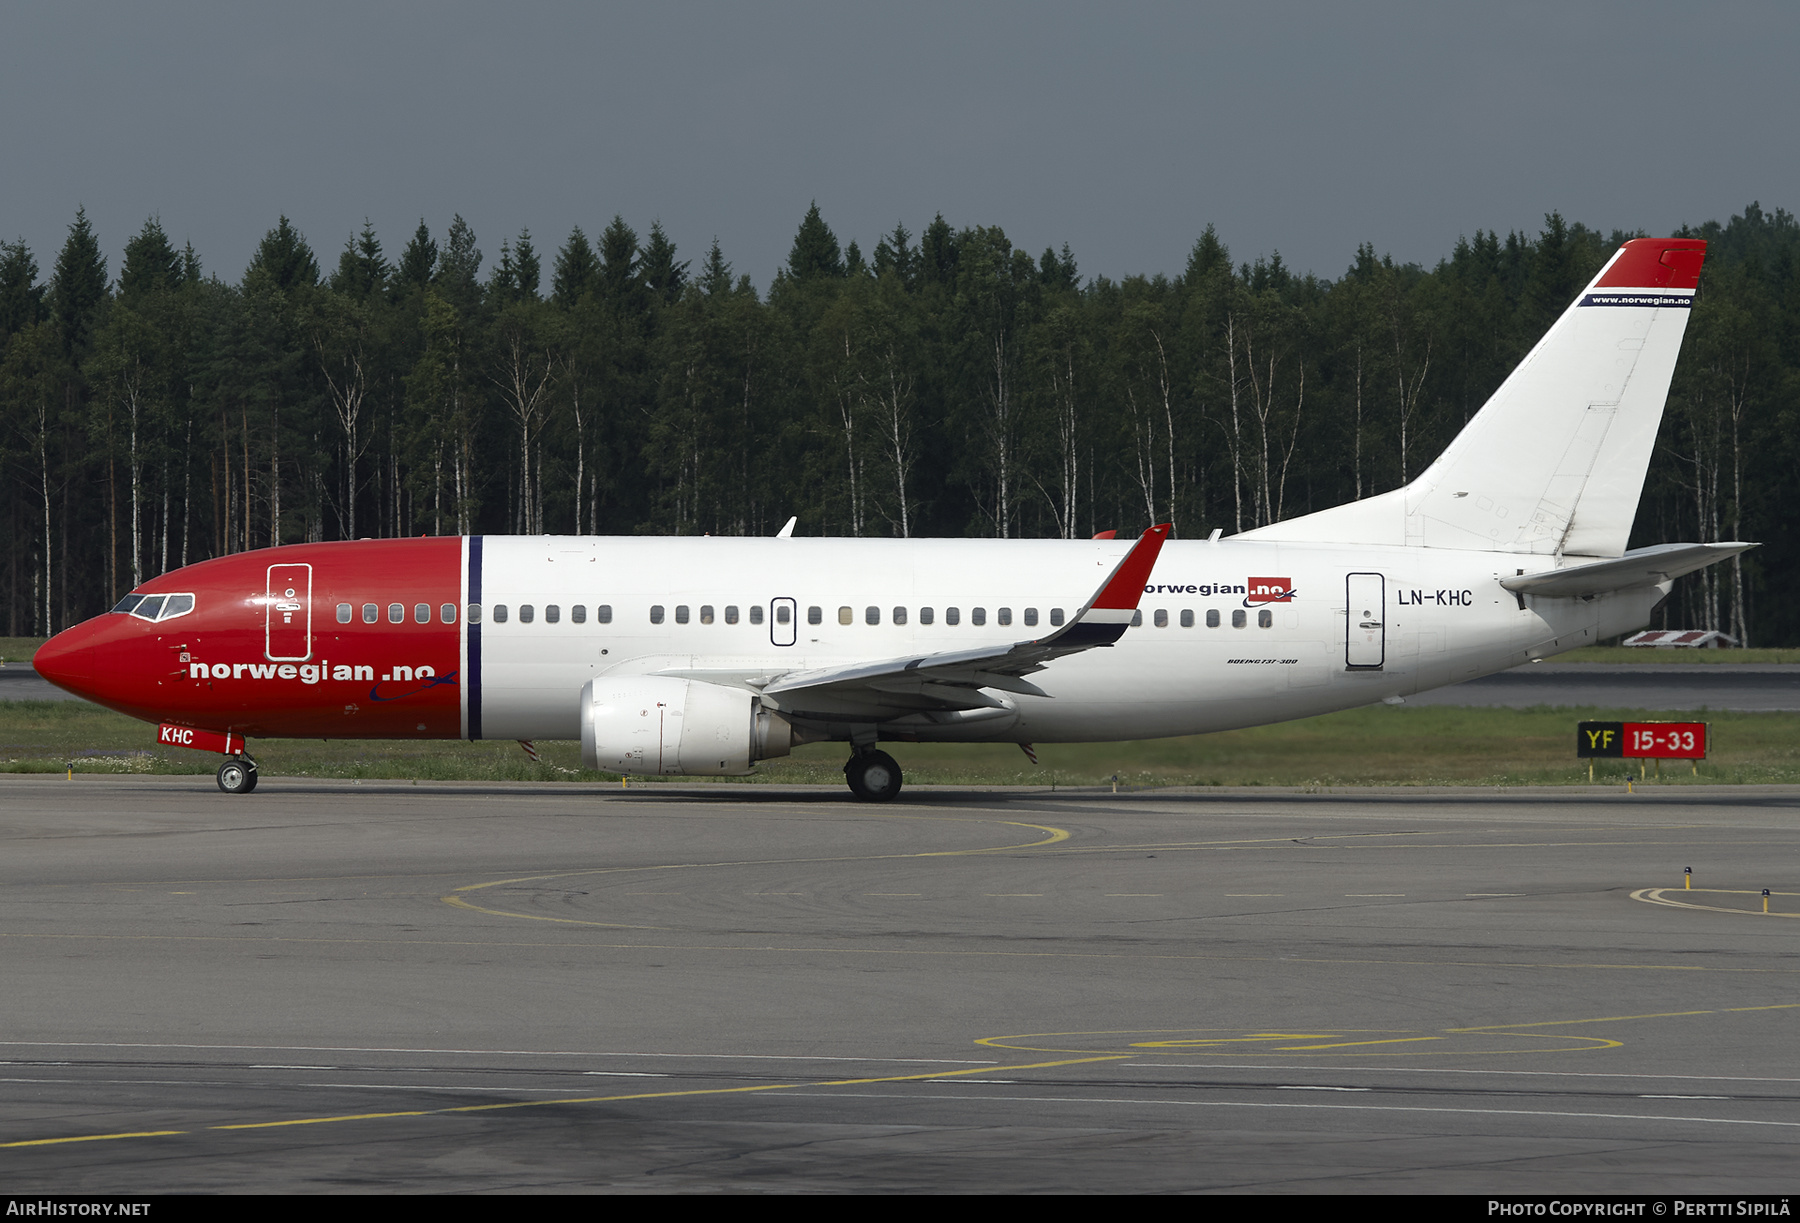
(1640, 567)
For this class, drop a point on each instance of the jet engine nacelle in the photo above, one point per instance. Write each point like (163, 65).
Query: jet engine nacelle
(663, 725)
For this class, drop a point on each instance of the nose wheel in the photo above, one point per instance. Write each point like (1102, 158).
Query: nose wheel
(237, 775)
(874, 777)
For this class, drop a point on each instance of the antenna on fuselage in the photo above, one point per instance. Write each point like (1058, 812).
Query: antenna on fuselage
(787, 532)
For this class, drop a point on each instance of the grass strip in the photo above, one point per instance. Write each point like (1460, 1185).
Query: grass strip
(1379, 745)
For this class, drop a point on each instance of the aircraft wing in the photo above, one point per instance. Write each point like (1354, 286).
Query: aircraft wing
(1639, 567)
(954, 679)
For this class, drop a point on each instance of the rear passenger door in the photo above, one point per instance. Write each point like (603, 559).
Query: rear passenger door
(1365, 622)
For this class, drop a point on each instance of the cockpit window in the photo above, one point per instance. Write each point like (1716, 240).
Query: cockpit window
(156, 607)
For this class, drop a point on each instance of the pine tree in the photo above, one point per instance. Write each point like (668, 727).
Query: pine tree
(527, 269)
(938, 253)
(78, 286)
(815, 254)
(503, 282)
(418, 262)
(577, 272)
(1208, 258)
(662, 275)
(284, 257)
(619, 278)
(459, 266)
(1058, 271)
(21, 297)
(362, 269)
(895, 256)
(715, 273)
(151, 265)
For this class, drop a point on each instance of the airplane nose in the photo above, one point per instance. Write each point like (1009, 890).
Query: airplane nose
(68, 659)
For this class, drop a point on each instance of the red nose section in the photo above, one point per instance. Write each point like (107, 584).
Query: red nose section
(77, 659)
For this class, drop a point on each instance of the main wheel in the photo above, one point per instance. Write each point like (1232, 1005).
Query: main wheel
(237, 775)
(873, 776)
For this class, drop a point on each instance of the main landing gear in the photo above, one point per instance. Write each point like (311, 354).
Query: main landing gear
(237, 775)
(873, 776)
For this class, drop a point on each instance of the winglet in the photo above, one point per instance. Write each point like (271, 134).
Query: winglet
(1109, 613)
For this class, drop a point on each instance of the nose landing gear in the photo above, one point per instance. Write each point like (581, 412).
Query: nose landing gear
(874, 777)
(237, 775)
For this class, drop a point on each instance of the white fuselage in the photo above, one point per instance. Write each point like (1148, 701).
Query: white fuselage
(1421, 618)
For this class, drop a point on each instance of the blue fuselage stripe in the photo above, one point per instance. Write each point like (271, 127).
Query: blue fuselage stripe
(474, 625)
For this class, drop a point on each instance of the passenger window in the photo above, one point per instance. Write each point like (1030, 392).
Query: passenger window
(1137, 618)
(1187, 617)
(846, 616)
(756, 614)
(343, 613)
(1030, 617)
(952, 615)
(681, 613)
(815, 615)
(447, 613)
(578, 614)
(526, 613)
(421, 613)
(1238, 618)
(656, 613)
(1265, 618)
(603, 613)
(706, 613)
(1056, 617)
(1212, 617)
(499, 613)
(978, 615)
(396, 613)
(924, 615)
(371, 613)
(1005, 615)
(899, 615)
(783, 614)
(1162, 617)
(871, 615)
(474, 613)
(552, 613)
(731, 613)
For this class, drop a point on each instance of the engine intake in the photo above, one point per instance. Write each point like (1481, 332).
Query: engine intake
(662, 725)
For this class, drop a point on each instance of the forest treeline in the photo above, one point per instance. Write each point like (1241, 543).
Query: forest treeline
(938, 384)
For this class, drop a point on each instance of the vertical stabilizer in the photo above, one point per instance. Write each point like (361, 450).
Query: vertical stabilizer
(1554, 463)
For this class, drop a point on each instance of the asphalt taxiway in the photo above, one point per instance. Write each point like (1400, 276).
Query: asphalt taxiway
(339, 987)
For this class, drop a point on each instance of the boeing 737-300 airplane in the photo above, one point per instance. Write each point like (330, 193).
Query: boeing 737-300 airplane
(704, 655)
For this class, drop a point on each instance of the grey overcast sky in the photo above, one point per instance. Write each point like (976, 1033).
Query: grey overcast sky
(1119, 128)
